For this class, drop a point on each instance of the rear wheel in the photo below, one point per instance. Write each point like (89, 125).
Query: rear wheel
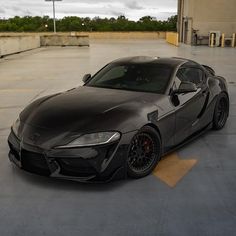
(221, 112)
(144, 152)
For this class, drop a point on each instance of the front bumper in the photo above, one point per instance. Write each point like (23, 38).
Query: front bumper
(90, 164)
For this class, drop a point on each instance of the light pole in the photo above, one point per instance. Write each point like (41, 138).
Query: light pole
(54, 13)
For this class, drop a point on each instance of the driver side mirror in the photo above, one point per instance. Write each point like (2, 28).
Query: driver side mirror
(86, 78)
(186, 87)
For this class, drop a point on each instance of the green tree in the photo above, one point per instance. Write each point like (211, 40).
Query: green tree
(74, 23)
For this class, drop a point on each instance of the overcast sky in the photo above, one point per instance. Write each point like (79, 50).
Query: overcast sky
(133, 9)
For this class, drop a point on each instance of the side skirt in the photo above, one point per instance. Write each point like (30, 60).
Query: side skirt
(188, 140)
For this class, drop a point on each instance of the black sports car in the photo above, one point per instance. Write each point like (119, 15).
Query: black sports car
(121, 122)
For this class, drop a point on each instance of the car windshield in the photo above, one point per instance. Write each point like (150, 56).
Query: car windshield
(152, 77)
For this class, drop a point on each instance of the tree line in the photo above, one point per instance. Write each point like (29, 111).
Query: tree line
(74, 23)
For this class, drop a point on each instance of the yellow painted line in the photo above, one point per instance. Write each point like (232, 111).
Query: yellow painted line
(223, 40)
(172, 169)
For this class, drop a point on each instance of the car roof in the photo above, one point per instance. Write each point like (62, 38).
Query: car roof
(171, 61)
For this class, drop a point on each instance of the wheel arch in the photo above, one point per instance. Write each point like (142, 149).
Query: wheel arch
(155, 127)
(215, 121)
(147, 129)
(226, 93)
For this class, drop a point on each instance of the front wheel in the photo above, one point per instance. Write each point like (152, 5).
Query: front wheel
(221, 112)
(144, 153)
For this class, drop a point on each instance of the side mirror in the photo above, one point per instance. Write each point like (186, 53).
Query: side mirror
(186, 87)
(86, 78)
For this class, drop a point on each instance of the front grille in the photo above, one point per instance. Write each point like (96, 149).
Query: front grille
(14, 152)
(76, 167)
(34, 162)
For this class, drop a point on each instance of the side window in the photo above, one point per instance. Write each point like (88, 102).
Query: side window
(177, 83)
(191, 74)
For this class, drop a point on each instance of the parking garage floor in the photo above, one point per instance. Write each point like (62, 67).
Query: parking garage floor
(192, 192)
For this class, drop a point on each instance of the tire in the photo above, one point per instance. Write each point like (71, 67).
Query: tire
(221, 112)
(144, 153)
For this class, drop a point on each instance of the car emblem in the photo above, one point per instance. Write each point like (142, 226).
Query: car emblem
(35, 137)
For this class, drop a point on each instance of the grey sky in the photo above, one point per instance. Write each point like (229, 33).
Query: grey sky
(133, 9)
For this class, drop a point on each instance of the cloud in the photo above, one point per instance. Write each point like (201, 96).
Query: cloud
(116, 13)
(133, 5)
(133, 9)
(2, 11)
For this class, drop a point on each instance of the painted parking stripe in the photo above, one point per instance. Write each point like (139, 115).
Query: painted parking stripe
(172, 169)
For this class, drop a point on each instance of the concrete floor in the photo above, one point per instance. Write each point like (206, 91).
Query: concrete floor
(202, 203)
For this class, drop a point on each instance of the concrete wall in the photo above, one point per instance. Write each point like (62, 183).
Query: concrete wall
(218, 15)
(126, 35)
(205, 16)
(102, 35)
(15, 44)
(64, 40)
(172, 38)
(185, 20)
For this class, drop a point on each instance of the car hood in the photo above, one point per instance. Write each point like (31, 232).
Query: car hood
(89, 109)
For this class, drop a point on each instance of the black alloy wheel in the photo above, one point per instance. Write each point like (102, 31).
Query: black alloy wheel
(144, 152)
(221, 112)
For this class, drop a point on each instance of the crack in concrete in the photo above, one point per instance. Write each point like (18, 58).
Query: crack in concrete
(3, 129)
(11, 107)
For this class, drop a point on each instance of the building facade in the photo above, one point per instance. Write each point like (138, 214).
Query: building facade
(203, 16)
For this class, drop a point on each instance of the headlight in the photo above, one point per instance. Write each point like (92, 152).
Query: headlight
(16, 126)
(93, 140)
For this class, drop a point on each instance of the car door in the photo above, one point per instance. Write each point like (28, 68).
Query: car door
(189, 106)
